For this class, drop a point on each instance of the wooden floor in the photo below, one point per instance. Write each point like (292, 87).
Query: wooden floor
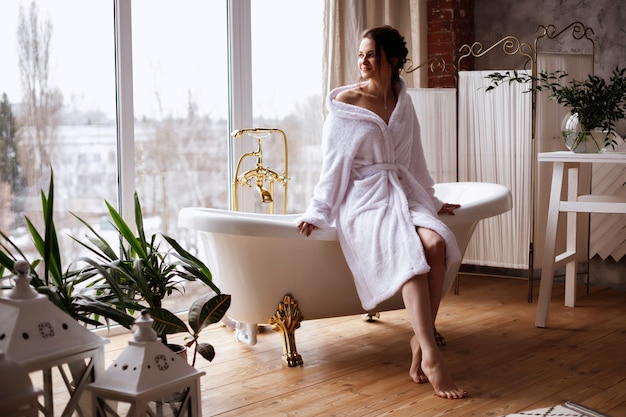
(355, 368)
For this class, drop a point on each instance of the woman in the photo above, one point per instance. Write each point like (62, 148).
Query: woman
(376, 189)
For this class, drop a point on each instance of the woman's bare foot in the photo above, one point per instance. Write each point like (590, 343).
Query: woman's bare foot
(415, 372)
(441, 380)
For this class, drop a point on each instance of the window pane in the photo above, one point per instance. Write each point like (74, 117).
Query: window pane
(287, 42)
(63, 109)
(181, 103)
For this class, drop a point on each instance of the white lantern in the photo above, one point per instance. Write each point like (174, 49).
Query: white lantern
(41, 337)
(18, 398)
(147, 379)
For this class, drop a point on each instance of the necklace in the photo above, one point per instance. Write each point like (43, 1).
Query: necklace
(384, 97)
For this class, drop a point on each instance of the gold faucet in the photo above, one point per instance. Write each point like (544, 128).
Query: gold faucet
(259, 175)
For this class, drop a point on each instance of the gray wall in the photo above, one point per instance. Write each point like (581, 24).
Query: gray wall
(496, 19)
(607, 18)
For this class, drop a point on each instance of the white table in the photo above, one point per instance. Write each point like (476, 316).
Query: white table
(574, 204)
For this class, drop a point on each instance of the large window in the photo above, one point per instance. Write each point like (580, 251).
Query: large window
(287, 47)
(58, 115)
(180, 78)
(59, 111)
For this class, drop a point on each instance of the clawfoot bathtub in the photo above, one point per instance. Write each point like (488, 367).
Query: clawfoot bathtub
(278, 276)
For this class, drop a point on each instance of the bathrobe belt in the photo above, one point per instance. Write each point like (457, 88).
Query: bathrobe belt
(402, 172)
(369, 170)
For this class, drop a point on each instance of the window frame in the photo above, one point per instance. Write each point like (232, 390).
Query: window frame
(239, 102)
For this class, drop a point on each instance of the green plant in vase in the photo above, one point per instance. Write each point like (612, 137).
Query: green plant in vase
(595, 104)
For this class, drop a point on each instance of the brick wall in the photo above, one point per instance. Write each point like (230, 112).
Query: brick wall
(450, 25)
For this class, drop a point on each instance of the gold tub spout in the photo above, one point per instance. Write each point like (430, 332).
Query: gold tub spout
(266, 196)
(260, 176)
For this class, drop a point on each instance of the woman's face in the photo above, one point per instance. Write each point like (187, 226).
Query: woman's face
(368, 62)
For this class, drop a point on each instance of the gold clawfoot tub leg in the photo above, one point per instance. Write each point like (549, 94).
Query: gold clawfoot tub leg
(286, 320)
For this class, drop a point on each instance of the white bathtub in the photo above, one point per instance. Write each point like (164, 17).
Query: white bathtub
(259, 258)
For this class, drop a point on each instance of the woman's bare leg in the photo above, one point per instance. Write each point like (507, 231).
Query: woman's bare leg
(434, 248)
(416, 299)
(422, 296)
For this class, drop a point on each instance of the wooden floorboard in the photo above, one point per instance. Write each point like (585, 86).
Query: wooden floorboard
(355, 368)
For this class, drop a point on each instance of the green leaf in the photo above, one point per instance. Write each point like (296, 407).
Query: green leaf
(140, 279)
(139, 222)
(113, 286)
(207, 310)
(166, 322)
(100, 247)
(126, 232)
(38, 241)
(52, 253)
(206, 350)
(6, 262)
(192, 265)
(98, 308)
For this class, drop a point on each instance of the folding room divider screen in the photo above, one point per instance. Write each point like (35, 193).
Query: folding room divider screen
(500, 136)
(471, 134)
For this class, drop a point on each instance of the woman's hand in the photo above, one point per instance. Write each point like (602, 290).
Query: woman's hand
(449, 208)
(306, 228)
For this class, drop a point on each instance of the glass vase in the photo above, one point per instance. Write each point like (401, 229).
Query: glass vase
(576, 140)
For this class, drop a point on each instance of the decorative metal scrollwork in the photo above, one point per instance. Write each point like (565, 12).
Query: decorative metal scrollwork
(436, 65)
(579, 31)
(511, 46)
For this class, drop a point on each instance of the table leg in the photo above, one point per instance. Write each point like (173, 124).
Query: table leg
(570, 267)
(547, 270)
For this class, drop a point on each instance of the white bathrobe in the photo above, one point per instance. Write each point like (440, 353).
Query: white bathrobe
(375, 188)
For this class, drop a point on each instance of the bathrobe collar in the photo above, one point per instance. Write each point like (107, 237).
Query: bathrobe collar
(351, 111)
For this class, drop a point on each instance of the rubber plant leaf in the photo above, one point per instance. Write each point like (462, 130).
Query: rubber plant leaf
(208, 309)
(166, 322)
(206, 350)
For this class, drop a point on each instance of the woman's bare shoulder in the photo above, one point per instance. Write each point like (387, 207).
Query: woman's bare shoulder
(350, 96)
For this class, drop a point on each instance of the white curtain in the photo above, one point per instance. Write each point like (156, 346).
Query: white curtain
(345, 21)
(495, 145)
(436, 112)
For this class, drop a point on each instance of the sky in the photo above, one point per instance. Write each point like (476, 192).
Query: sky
(177, 51)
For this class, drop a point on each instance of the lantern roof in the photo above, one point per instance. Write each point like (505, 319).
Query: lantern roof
(146, 365)
(34, 332)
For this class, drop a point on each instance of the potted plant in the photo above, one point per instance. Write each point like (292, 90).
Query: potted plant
(112, 287)
(595, 105)
(147, 271)
(77, 295)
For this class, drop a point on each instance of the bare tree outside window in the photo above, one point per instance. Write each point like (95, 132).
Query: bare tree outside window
(42, 103)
